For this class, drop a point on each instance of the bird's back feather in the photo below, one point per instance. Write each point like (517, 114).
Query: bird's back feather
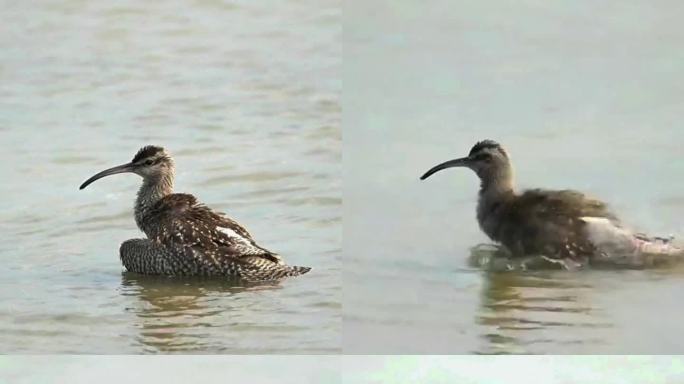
(549, 223)
(179, 221)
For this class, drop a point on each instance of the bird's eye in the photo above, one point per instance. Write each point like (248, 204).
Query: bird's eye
(149, 162)
(484, 157)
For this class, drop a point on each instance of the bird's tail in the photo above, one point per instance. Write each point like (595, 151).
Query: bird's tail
(620, 245)
(297, 270)
(273, 272)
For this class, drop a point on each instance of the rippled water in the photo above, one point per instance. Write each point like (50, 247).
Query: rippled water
(581, 96)
(244, 95)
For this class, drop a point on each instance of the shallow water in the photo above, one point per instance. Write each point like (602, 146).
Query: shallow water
(581, 97)
(253, 127)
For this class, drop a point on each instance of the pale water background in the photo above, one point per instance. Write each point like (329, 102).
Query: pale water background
(246, 97)
(583, 95)
(318, 369)
(352, 369)
(513, 369)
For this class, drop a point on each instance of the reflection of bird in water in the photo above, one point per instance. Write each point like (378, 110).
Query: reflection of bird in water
(564, 227)
(174, 314)
(184, 237)
(533, 312)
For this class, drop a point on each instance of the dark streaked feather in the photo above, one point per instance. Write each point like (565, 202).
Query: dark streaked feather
(549, 223)
(145, 152)
(484, 144)
(182, 223)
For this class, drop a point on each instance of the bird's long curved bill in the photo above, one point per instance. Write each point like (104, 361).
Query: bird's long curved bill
(108, 172)
(462, 162)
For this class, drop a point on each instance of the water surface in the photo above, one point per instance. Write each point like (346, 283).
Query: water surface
(582, 96)
(245, 96)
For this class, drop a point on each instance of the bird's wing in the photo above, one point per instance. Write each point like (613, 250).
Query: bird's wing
(184, 222)
(551, 219)
(562, 205)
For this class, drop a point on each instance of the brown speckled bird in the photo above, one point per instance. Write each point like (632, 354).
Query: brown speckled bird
(185, 237)
(558, 225)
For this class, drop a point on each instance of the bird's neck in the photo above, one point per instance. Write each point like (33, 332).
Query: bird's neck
(494, 186)
(496, 182)
(153, 189)
(495, 192)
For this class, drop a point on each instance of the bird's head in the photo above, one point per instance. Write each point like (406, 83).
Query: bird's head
(150, 161)
(487, 159)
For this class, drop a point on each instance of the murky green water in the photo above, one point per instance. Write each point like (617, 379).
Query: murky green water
(246, 97)
(583, 96)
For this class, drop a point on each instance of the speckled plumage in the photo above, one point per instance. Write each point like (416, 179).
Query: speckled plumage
(541, 222)
(185, 237)
(562, 224)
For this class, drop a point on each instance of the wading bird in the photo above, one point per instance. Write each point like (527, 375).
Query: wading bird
(185, 237)
(558, 225)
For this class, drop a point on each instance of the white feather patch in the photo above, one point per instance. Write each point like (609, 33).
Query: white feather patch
(612, 239)
(602, 231)
(229, 232)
